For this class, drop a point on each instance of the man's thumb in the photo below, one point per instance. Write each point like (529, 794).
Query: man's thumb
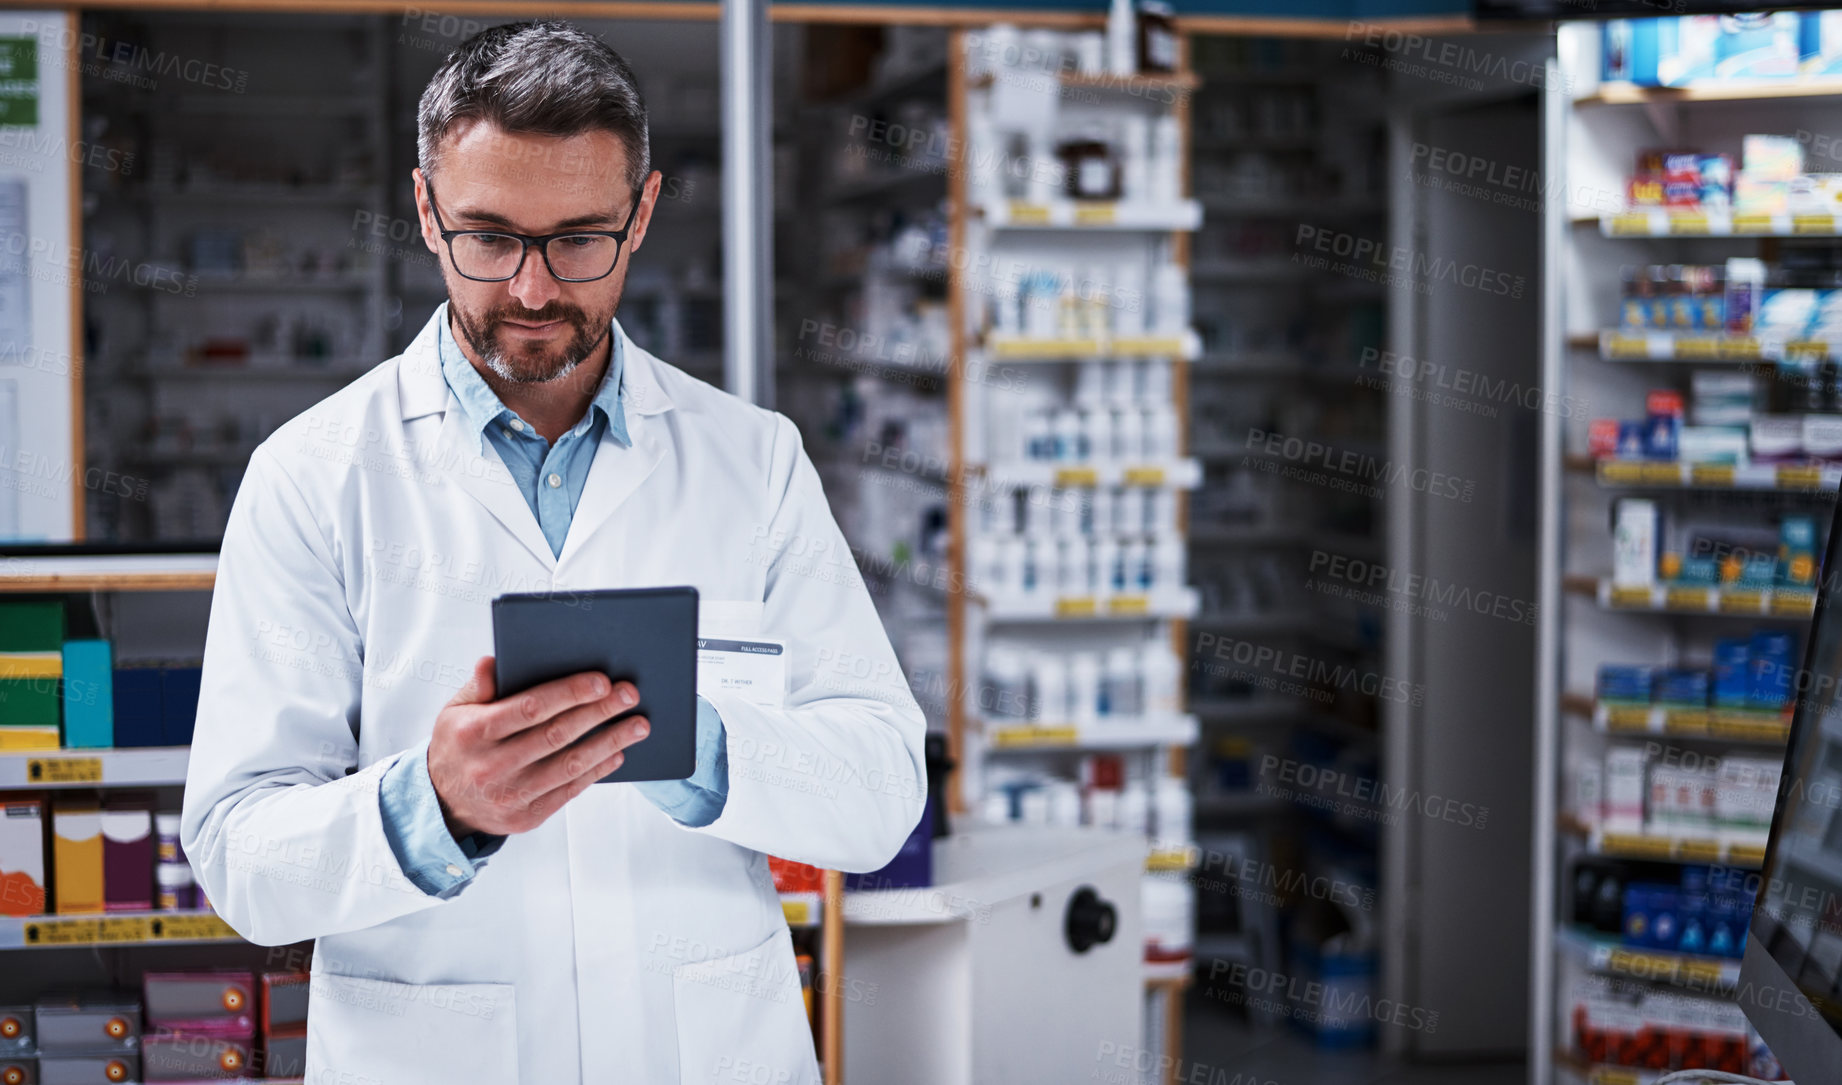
(480, 688)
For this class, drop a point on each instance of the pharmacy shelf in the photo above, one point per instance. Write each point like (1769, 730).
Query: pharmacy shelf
(1161, 860)
(1644, 345)
(109, 572)
(232, 374)
(1785, 604)
(1173, 972)
(1622, 93)
(1128, 734)
(1043, 607)
(1662, 222)
(1180, 474)
(1760, 727)
(1604, 954)
(1242, 805)
(151, 766)
(1667, 847)
(1675, 474)
(1259, 621)
(1019, 348)
(1248, 709)
(802, 909)
(1092, 215)
(121, 929)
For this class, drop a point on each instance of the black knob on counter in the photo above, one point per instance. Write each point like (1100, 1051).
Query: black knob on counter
(1090, 921)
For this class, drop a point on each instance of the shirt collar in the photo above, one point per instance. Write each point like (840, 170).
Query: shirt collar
(482, 406)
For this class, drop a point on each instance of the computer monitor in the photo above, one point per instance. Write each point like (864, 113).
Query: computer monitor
(1791, 974)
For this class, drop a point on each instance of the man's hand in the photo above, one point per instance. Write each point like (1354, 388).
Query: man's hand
(505, 766)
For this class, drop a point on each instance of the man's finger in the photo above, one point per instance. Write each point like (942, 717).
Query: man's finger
(577, 785)
(479, 687)
(533, 709)
(557, 769)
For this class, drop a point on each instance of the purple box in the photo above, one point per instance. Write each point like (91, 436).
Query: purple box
(127, 857)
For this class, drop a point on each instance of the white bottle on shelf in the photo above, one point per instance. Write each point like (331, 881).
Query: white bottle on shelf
(1129, 435)
(1099, 426)
(1135, 557)
(1067, 518)
(1009, 685)
(1135, 148)
(1067, 435)
(1135, 808)
(1038, 511)
(1030, 575)
(995, 808)
(1128, 300)
(1121, 38)
(1048, 689)
(1084, 687)
(1121, 691)
(1169, 561)
(1090, 384)
(1012, 556)
(1155, 389)
(1166, 160)
(1162, 675)
(1160, 437)
(1170, 798)
(1102, 807)
(1107, 576)
(1064, 803)
(1170, 291)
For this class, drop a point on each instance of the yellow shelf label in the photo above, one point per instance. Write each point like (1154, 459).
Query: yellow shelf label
(1703, 972)
(1607, 1075)
(1746, 855)
(1813, 223)
(1749, 726)
(1627, 346)
(1688, 598)
(1628, 598)
(64, 770)
(1635, 963)
(1636, 845)
(1699, 851)
(189, 928)
(1026, 213)
(1807, 348)
(1129, 604)
(1168, 859)
(1076, 476)
(1793, 604)
(1075, 606)
(83, 932)
(1742, 601)
(1152, 346)
(1620, 472)
(1096, 214)
(1697, 347)
(1016, 737)
(1143, 476)
(1752, 223)
(1661, 474)
(1711, 474)
(798, 912)
(1627, 718)
(1688, 223)
(1792, 477)
(1630, 223)
(1738, 347)
(1686, 721)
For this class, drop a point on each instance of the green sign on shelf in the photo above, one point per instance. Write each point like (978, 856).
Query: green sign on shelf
(19, 81)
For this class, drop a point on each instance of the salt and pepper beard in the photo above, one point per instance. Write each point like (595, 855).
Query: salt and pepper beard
(587, 337)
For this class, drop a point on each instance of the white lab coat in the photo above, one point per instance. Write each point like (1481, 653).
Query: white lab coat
(610, 944)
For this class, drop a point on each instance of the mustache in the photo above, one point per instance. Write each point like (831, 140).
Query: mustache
(553, 311)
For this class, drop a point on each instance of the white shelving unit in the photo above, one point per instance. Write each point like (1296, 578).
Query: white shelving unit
(1586, 620)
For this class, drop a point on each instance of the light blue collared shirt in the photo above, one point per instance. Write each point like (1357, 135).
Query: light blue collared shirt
(551, 479)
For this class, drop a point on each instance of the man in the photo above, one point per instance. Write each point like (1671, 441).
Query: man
(482, 910)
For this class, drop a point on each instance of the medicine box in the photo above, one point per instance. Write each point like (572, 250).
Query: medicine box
(22, 856)
(127, 856)
(201, 1001)
(135, 704)
(1624, 789)
(179, 703)
(17, 1037)
(76, 856)
(87, 1022)
(88, 695)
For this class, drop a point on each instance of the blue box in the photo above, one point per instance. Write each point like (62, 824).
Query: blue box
(1699, 569)
(136, 698)
(1625, 683)
(1774, 668)
(1733, 673)
(1681, 686)
(1651, 916)
(89, 717)
(179, 703)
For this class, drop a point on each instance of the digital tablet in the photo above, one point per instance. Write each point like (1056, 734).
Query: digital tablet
(647, 636)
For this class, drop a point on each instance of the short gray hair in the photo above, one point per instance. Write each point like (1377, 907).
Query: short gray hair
(548, 78)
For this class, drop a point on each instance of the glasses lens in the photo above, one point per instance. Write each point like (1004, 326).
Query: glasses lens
(487, 256)
(582, 256)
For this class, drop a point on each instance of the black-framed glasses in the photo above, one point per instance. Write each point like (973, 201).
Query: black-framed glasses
(574, 256)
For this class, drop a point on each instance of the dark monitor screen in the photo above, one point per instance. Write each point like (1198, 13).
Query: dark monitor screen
(1791, 979)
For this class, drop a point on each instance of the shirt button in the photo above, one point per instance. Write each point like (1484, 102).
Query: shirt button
(555, 480)
(454, 871)
(518, 425)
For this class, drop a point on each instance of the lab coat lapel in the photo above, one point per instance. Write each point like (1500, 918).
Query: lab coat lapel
(456, 457)
(616, 471)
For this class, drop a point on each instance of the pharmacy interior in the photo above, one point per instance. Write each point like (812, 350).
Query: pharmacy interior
(1346, 488)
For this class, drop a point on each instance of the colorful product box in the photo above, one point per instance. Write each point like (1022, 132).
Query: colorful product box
(201, 1001)
(127, 857)
(1681, 686)
(87, 1021)
(88, 694)
(135, 704)
(1733, 672)
(1774, 668)
(22, 856)
(184, 1056)
(76, 857)
(31, 627)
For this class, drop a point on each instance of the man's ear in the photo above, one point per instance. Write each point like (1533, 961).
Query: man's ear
(425, 217)
(649, 199)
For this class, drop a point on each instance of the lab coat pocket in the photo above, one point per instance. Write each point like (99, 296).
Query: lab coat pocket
(376, 1030)
(742, 1018)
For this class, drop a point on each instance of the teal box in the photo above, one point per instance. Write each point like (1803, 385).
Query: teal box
(89, 694)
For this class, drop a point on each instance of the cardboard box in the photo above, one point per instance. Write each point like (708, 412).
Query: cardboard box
(135, 700)
(87, 1022)
(31, 627)
(76, 856)
(28, 738)
(179, 703)
(127, 856)
(219, 1001)
(89, 717)
(90, 1069)
(22, 856)
(181, 1055)
(18, 1069)
(284, 1003)
(17, 1037)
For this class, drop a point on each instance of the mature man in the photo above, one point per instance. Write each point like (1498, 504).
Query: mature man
(482, 910)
